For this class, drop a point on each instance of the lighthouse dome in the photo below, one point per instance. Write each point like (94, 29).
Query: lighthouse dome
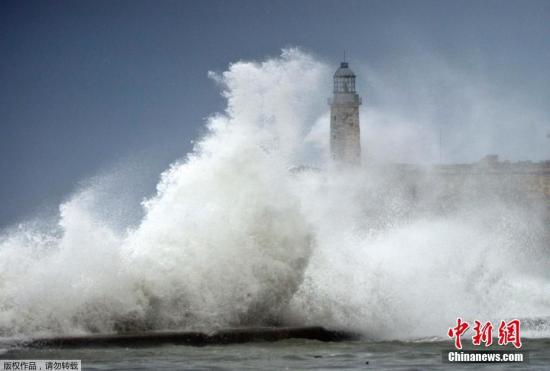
(344, 80)
(344, 71)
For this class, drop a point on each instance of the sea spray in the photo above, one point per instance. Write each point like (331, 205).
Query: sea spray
(396, 259)
(222, 243)
(232, 237)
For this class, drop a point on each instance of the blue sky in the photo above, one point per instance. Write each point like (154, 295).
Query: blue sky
(87, 85)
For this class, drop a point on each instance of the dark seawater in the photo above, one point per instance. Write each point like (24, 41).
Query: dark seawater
(288, 354)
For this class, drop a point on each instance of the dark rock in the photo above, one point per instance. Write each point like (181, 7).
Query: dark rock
(229, 336)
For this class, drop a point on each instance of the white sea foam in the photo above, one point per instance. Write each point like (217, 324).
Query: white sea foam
(232, 237)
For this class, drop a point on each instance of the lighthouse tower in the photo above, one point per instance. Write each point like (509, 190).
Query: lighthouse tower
(345, 137)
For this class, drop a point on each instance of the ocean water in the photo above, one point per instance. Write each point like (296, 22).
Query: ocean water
(283, 355)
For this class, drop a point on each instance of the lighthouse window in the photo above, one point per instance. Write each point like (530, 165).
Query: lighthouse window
(344, 85)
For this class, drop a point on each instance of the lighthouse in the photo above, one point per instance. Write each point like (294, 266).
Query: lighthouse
(345, 135)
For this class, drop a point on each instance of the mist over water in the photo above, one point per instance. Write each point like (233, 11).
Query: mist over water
(234, 237)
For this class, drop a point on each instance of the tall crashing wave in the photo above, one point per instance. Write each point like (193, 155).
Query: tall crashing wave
(233, 238)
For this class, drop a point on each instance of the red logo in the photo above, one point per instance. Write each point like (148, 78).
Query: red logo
(509, 333)
(457, 331)
(483, 333)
